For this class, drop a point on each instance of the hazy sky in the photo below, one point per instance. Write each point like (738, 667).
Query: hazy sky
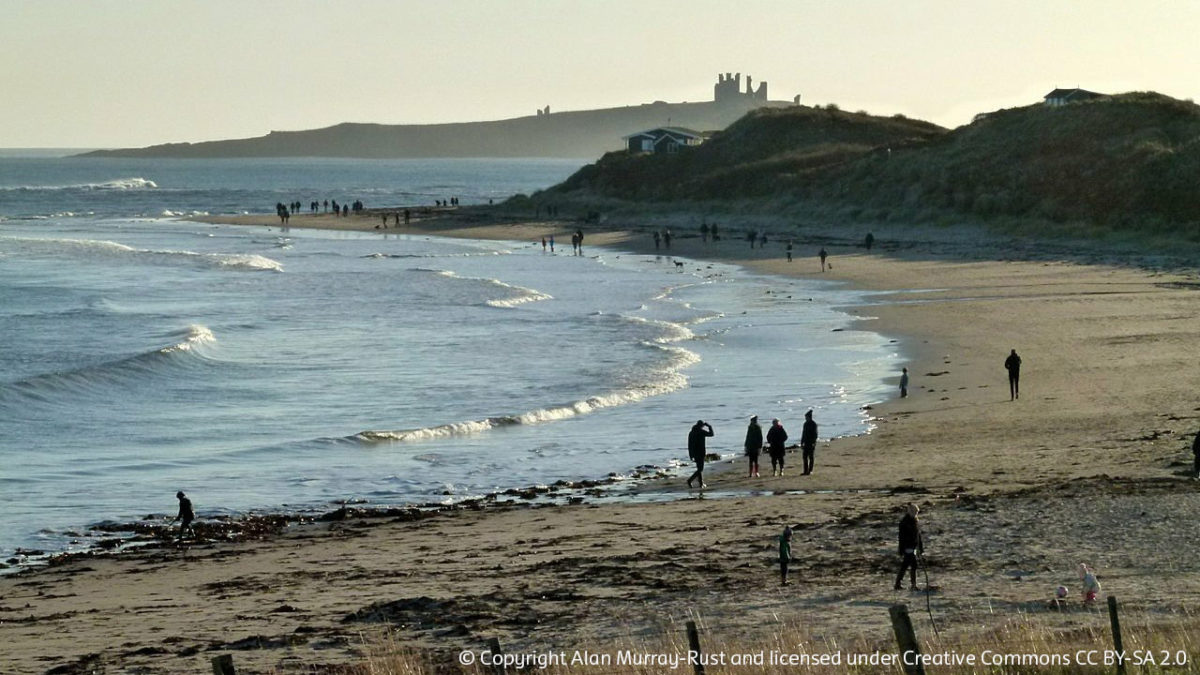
(115, 73)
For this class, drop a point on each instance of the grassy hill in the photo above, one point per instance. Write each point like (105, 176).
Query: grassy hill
(1131, 161)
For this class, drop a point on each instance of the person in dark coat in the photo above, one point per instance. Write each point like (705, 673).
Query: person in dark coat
(808, 442)
(1013, 365)
(1196, 454)
(185, 516)
(776, 437)
(911, 545)
(700, 431)
(754, 444)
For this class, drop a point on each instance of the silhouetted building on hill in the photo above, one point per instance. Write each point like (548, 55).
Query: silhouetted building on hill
(729, 87)
(662, 139)
(1064, 96)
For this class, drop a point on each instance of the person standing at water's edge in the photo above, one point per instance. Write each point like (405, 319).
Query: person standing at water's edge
(910, 546)
(696, 449)
(823, 255)
(754, 443)
(776, 437)
(1013, 365)
(904, 383)
(808, 442)
(185, 516)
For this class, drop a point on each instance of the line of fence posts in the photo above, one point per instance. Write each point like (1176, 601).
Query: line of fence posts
(906, 640)
(906, 637)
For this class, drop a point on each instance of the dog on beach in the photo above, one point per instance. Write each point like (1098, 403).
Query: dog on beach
(678, 264)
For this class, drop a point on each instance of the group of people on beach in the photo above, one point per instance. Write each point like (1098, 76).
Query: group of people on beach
(576, 243)
(663, 238)
(754, 444)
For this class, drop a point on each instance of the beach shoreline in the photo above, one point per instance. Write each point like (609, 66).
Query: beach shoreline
(1106, 419)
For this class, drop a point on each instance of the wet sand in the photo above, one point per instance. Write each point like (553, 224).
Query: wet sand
(1090, 464)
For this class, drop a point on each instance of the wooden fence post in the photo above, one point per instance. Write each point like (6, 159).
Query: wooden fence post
(694, 645)
(223, 665)
(1116, 631)
(906, 639)
(494, 647)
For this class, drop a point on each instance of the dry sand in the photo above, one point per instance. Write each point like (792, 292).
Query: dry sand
(1089, 465)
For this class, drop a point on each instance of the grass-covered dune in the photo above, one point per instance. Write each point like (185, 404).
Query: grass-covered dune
(1130, 161)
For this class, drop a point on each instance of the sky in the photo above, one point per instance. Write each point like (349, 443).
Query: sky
(130, 73)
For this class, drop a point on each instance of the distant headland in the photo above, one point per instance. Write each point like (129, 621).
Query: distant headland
(576, 134)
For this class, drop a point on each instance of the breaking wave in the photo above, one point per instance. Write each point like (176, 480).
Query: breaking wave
(664, 379)
(136, 183)
(185, 343)
(517, 295)
(94, 248)
(473, 254)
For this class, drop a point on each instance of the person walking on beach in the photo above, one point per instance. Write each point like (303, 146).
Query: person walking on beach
(704, 232)
(754, 444)
(185, 516)
(1196, 455)
(823, 254)
(808, 442)
(552, 243)
(869, 241)
(696, 449)
(657, 239)
(776, 437)
(904, 383)
(785, 554)
(579, 238)
(543, 244)
(789, 250)
(1013, 365)
(910, 547)
(667, 239)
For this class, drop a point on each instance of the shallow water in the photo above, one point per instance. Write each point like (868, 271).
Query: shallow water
(263, 369)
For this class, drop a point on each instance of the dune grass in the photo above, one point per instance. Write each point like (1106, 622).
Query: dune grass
(1027, 643)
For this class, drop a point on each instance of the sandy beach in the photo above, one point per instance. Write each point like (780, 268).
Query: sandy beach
(1091, 464)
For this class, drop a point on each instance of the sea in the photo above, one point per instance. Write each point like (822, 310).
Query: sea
(265, 370)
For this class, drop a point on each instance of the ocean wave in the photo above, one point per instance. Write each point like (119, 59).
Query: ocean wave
(664, 379)
(473, 254)
(93, 248)
(130, 368)
(168, 213)
(135, 183)
(518, 295)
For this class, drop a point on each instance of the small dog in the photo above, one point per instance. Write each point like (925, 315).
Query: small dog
(679, 264)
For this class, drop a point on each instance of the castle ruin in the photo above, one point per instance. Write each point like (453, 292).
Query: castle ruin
(729, 88)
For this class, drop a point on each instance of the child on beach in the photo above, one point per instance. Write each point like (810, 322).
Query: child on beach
(1091, 586)
(785, 554)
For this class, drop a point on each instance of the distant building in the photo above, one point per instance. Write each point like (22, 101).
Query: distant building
(729, 87)
(662, 140)
(1064, 96)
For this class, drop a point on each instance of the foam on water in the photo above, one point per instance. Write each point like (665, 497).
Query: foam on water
(92, 249)
(136, 183)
